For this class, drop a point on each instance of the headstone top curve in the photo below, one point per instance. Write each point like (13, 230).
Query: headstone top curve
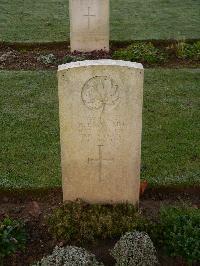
(104, 62)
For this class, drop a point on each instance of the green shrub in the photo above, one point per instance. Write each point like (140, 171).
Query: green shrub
(135, 249)
(72, 58)
(188, 51)
(72, 256)
(81, 222)
(12, 237)
(144, 52)
(178, 232)
(47, 59)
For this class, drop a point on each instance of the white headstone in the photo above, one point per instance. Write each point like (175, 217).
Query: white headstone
(89, 25)
(100, 129)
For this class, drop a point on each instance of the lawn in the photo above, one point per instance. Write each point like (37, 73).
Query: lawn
(29, 135)
(48, 21)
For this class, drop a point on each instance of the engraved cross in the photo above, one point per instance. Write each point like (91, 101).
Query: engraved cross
(100, 161)
(89, 15)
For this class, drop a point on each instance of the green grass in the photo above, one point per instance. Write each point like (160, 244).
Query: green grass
(29, 129)
(171, 143)
(48, 21)
(29, 134)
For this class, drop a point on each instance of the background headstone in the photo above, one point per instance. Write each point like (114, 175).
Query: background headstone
(100, 105)
(89, 25)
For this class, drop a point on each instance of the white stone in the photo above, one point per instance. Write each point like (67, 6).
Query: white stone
(89, 25)
(100, 107)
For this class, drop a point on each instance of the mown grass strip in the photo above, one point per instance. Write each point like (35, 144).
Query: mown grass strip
(29, 134)
(48, 21)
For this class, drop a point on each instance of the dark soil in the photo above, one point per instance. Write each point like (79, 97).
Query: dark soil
(33, 206)
(28, 57)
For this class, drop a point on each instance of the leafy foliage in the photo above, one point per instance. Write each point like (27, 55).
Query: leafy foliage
(135, 249)
(69, 255)
(47, 59)
(81, 222)
(12, 237)
(188, 51)
(178, 232)
(140, 51)
(72, 58)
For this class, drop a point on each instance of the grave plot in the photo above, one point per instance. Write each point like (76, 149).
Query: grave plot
(31, 177)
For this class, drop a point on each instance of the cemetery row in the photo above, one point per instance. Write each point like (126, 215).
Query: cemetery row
(48, 21)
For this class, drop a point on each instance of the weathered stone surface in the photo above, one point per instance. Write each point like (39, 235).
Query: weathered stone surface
(100, 130)
(89, 25)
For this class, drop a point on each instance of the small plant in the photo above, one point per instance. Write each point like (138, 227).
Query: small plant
(72, 58)
(81, 222)
(47, 59)
(178, 232)
(69, 256)
(5, 56)
(144, 52)
(12, 237)
(188, 51)
(135, 249)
